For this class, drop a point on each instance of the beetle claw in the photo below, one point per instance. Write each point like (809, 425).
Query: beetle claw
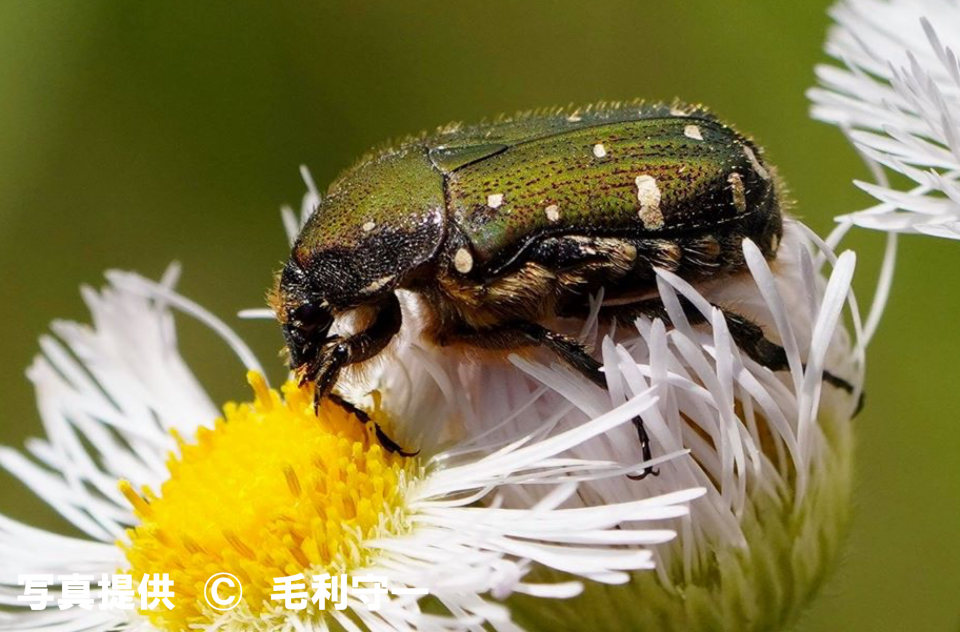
(647, 471)
(304, 379)
(645, 451)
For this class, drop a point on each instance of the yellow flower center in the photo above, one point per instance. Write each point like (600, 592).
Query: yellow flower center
(273, 490)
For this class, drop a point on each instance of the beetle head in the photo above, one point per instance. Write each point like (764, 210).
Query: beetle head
(305, 319)
(379, 226)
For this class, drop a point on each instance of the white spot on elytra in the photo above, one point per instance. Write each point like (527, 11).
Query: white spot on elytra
(368, 227)
(494, 200)
(752, 157)
(739, 195)
(463, 261)
(599, 150)
(553, 213)
(379, 283)
(692, 131)
(648, 194)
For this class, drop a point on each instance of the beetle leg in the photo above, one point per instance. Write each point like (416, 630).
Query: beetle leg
(351, 408)
(388, 444)
(747, 335)
(525, 334)
(340, 352)
(573, 353)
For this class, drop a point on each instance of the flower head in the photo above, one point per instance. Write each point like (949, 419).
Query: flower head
(898, 99)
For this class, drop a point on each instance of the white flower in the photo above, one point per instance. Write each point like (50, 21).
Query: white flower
(116, 397)
(898, 99)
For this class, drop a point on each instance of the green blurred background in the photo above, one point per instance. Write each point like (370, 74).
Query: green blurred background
(132, 134)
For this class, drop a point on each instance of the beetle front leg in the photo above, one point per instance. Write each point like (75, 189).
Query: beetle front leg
(388, 444)
(525, 334)
(341, 352)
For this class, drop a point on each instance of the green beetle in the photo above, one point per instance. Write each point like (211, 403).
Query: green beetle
(501, 226)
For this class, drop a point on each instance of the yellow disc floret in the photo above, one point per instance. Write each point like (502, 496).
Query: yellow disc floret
(274, 489)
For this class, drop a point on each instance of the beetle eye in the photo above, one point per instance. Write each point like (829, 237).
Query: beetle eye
(310, 316)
